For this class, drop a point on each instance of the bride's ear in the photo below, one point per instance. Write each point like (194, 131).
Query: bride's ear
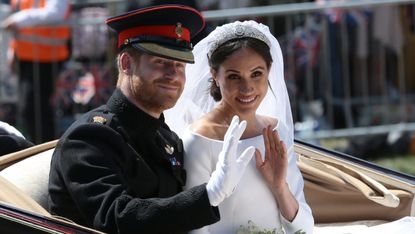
(213, 72)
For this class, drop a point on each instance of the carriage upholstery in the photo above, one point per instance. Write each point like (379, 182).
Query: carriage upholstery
(337, 194)
(24, 177)
(31, 175)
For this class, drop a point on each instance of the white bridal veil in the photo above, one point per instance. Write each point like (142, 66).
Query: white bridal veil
(196, 100)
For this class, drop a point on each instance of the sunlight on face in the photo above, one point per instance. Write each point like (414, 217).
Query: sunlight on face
(243, 81)
(157, 83)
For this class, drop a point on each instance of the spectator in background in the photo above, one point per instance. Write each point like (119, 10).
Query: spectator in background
(11, 140)
(37, 52)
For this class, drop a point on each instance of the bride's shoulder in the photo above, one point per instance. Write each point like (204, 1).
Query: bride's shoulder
(207, 128)
(267, 120)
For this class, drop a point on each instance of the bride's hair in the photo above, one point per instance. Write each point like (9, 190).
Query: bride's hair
(196, 99)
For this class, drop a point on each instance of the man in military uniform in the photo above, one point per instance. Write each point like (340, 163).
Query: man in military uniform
(119, 167)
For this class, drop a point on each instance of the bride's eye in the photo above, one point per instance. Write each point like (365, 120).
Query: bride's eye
(233, 77)
(256, 74)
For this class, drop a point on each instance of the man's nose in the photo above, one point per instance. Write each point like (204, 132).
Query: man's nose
(171, 69)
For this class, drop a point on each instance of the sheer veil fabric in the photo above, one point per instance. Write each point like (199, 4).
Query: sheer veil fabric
(196, 100)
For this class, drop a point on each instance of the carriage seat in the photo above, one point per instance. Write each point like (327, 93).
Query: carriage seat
(31, 175)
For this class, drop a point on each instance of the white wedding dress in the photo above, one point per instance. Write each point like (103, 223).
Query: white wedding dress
(252, 200)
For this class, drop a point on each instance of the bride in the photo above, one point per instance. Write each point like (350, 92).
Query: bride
(238, 71)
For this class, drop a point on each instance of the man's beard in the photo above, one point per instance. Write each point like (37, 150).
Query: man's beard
(151, 98)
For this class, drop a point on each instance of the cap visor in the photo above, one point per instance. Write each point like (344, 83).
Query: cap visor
(165, 52)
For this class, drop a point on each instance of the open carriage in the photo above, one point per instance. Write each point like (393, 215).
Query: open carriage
(346, 194)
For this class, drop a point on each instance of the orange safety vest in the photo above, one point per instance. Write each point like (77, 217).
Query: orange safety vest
(43, 44)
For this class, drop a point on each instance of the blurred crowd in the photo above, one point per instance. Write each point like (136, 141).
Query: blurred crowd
(322, 81)
(44, 86)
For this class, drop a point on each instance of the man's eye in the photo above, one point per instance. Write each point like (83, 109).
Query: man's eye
(159, 61)
(180, 65)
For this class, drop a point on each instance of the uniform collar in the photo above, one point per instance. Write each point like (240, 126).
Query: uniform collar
(132, 117)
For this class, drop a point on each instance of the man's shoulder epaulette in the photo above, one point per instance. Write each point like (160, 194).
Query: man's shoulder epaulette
(104, 118)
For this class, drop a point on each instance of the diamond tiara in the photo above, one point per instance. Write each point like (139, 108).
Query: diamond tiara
(235, 30)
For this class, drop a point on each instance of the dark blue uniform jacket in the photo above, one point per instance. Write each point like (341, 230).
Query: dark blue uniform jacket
(119, 170)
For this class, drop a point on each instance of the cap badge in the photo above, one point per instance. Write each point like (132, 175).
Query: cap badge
(99, 119)
(179, 30)
(126, 41)
(169, 149)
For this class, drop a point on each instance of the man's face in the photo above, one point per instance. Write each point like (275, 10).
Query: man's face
(157, 83)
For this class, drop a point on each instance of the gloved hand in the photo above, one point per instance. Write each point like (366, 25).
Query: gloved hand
(229, 168)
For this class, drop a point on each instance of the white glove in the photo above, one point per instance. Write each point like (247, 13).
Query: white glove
(229, 168)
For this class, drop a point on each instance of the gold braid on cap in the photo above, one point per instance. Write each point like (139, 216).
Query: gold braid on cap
(232, 31)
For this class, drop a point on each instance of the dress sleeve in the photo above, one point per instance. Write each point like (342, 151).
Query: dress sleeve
(198, 164)
(96, 184)
(304, 219)
(197, 159)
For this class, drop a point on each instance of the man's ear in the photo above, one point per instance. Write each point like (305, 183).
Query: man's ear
(126, 63)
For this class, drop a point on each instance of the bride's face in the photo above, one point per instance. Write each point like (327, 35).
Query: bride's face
(243, 81)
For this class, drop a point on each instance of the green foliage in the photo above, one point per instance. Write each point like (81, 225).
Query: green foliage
(251, 228)
(402, 163)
